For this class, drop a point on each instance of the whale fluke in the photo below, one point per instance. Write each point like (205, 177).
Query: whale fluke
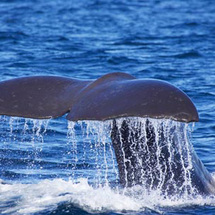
(155, 155)
(112, 96)
(109, 98)
(39, 97)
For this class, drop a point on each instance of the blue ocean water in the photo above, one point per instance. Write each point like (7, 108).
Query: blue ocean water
(39, 160)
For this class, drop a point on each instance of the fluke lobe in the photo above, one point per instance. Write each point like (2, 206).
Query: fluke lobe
(112, 96)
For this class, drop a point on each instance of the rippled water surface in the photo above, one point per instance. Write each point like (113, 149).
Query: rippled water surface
(44, 167)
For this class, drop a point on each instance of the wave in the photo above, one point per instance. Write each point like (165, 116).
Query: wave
(189, 54)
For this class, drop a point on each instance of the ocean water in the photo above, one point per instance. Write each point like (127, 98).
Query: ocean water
(58, 167)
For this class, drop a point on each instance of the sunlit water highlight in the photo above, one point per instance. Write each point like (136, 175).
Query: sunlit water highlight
(91, 180)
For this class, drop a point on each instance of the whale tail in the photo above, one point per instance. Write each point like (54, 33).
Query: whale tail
(38, 97)
(145, 152)
(112, 96)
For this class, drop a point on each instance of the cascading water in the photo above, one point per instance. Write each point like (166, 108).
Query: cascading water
(152, 159)
(91, 144)
(154, 153)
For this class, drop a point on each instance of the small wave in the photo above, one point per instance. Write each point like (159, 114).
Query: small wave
(12, 35)
(115, 60)
(190, 54)
(142, 42)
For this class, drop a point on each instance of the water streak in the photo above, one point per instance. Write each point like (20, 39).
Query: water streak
(155, 153)
(157, 148)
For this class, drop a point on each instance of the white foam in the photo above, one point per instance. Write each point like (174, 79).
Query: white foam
(47, 194)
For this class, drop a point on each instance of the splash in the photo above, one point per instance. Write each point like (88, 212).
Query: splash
(154, 153)
(149, 150)
(46, 195)
(87, 172)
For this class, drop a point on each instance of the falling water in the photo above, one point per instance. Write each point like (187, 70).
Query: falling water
(157, 148)
(123, 164)
(154, 153)
(96, 146)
